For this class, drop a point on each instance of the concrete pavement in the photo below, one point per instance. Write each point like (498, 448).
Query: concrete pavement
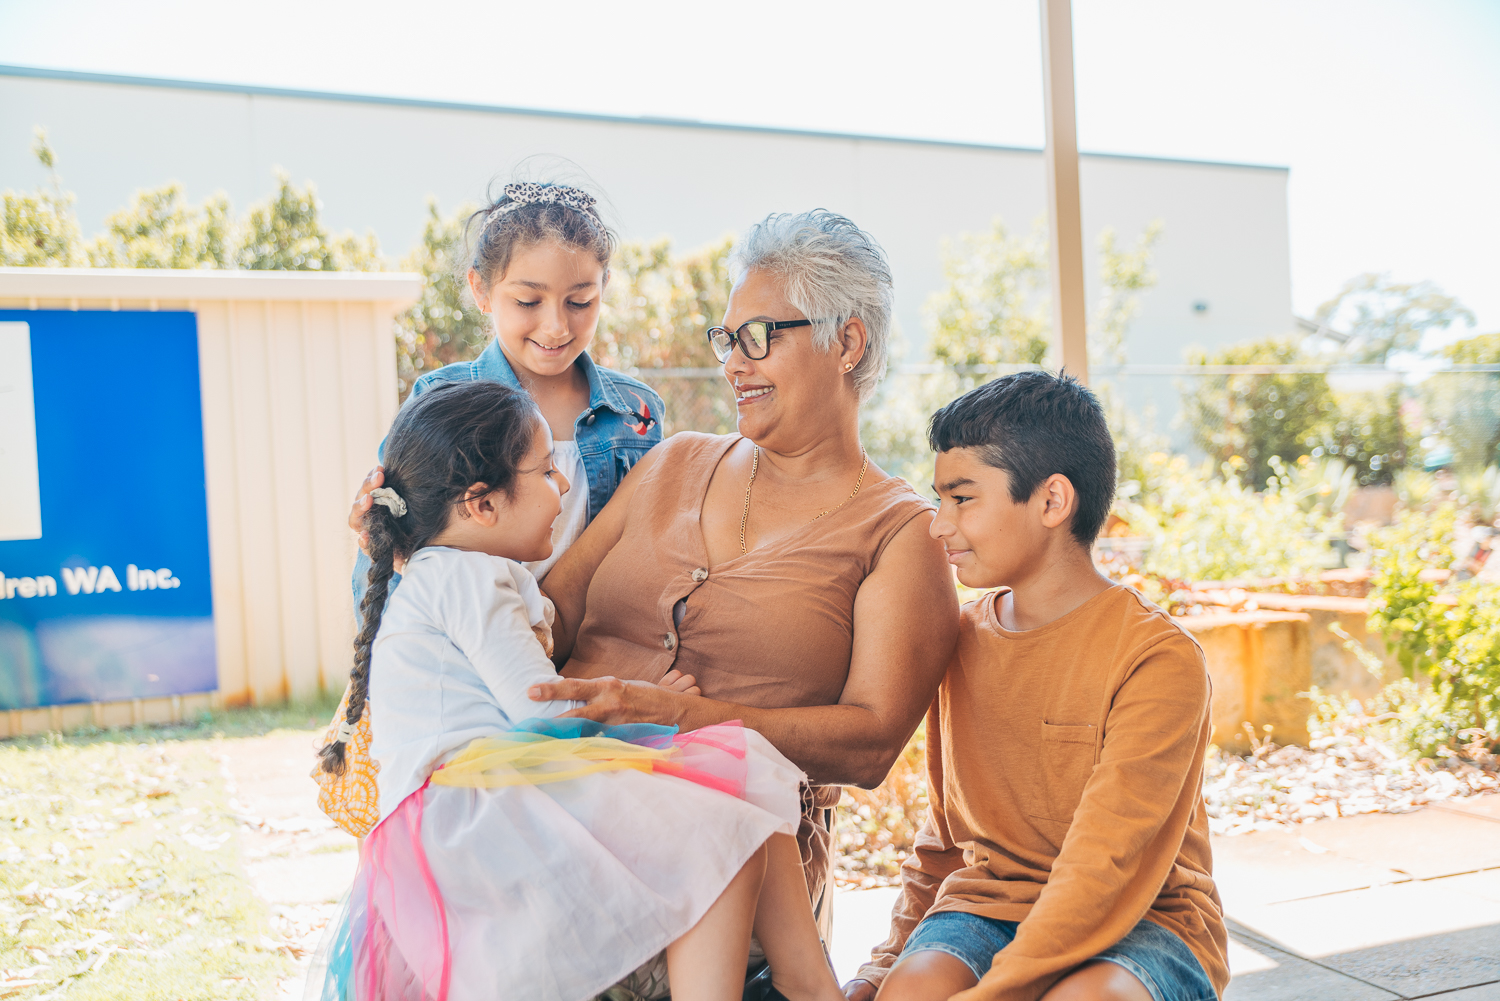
(1372, 908)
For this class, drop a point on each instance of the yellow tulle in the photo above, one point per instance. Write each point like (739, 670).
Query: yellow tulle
(533, 759)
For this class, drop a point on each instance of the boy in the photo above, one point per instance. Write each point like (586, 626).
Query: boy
(1066, 855)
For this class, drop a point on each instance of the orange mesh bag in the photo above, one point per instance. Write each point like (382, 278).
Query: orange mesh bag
(351, 800)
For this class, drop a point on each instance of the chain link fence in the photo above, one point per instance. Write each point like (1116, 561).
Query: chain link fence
(1379, 420)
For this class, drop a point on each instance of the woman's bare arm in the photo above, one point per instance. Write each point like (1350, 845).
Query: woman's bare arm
(567, 583)
(905, 629)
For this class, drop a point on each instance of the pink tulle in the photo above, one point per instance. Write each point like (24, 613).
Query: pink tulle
(713, 756)
(399, 922)
(403, 954)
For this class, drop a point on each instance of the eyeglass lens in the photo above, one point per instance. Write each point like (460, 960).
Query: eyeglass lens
(753, 338)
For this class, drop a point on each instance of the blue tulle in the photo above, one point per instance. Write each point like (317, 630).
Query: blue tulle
(331, 977)
(642, 734)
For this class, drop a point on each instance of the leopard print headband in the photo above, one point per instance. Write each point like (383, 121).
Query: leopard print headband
(531, 193)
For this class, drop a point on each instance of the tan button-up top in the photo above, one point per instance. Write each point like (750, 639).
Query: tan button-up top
(772, 628)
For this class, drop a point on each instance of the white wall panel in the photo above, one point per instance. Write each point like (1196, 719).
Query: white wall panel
(375, 164)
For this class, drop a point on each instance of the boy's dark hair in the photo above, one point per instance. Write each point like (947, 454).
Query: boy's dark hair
(1032, 425)
(441, 444)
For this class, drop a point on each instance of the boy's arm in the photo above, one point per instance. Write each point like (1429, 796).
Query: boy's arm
(933, 858)
(1125, 834)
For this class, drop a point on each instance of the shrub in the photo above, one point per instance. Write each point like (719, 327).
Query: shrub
(877, 828)
(1447, 630)
(1205, 524)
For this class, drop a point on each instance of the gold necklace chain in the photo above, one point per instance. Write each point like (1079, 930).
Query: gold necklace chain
(755, 468)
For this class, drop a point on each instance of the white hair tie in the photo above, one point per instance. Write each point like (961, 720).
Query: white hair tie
(389, 498)
(346, 733)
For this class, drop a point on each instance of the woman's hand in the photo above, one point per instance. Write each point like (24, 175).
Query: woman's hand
(612, 701)
(859, 990)
(373, 481)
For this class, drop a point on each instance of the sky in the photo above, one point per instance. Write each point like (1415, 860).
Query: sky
(1387, 113)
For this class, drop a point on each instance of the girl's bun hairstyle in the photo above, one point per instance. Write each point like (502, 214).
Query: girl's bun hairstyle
(528, 213)
(442, 444)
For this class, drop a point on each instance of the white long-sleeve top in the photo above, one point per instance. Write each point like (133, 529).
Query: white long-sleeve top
(453, 660)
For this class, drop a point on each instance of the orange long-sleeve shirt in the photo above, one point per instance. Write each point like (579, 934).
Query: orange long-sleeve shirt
(1065, 768)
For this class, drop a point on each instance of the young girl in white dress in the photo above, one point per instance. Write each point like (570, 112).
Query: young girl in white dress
(519, 855)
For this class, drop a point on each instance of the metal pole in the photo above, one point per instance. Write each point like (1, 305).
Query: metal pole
(1069, 332)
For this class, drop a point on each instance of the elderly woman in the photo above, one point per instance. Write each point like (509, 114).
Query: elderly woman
(791, 576)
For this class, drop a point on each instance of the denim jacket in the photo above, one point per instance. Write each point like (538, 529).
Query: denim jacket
(621, 424)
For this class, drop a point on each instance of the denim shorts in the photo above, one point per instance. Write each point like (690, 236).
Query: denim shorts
(1157, 958)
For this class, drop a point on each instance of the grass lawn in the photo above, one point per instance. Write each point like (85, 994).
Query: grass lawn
(120, 873)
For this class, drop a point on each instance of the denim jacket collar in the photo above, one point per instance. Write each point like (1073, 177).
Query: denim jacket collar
(603, 394)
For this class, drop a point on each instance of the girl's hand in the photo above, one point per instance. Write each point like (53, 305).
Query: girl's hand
(362, 502)
(676, 681)
(612, 701)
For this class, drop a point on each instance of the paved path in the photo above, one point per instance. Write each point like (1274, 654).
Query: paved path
(1370, 908)
(295, 857)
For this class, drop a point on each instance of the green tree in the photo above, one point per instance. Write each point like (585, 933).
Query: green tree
(1123, 276)
(40, 229)
(656, 309)
(443, 327)
(1382, 317)
(1365, 430)
(1255, 417)
(285, 233)
(160, 230)
(1466, 405)
(658, 306)
(992, 308)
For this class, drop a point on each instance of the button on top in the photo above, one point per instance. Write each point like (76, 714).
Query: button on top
(669, 641)
(700, 575)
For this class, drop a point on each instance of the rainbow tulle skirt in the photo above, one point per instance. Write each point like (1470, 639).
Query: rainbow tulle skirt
(548, 862)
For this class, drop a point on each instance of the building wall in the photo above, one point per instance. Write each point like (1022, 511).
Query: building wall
(1225, 226)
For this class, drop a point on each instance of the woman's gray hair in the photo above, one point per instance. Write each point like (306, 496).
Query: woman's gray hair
(831, 270)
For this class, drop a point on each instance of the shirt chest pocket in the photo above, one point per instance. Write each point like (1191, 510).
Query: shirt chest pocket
(1066, 761)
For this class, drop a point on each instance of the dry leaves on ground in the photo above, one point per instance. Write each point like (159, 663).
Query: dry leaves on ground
(119, 878)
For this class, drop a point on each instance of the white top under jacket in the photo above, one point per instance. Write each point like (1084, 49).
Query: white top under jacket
(575, 506)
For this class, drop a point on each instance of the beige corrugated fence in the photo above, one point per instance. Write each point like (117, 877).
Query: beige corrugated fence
(298, 373)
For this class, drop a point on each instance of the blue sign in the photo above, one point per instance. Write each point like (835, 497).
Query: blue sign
(104, 565)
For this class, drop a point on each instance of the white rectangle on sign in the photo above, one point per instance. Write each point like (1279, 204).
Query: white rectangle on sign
(20, 486)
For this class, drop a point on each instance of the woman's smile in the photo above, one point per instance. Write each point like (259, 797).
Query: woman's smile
(744, 395)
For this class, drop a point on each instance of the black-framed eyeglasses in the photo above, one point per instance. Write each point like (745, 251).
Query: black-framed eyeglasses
(754, 338)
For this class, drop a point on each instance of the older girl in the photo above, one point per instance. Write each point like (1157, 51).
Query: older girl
(537, 263)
